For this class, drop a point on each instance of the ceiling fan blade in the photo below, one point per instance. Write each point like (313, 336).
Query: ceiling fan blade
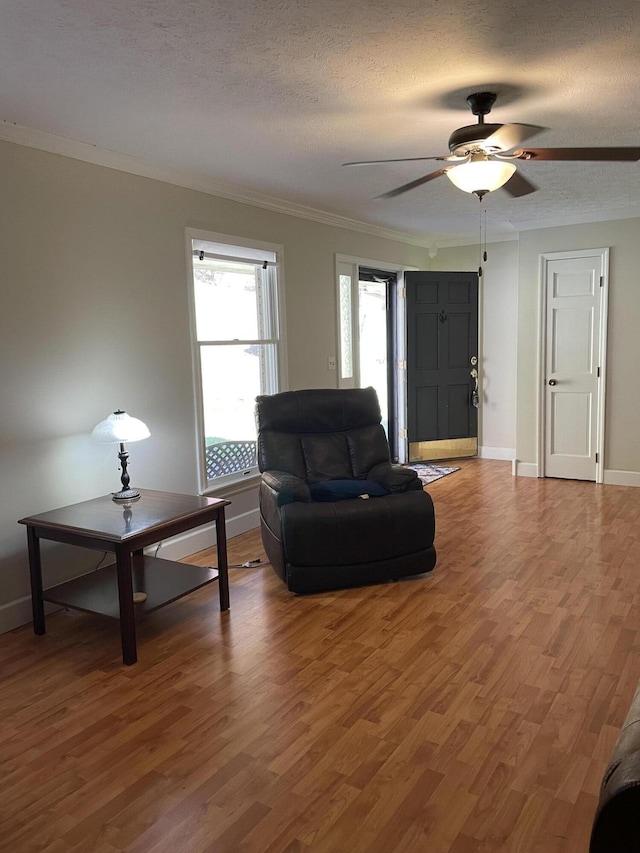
(399, 160)
(518, 185)
(510, 135)
(413, 184)
(604, 154)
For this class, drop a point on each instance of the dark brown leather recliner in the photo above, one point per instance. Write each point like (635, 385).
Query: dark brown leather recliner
(616, 825)
(312, 445)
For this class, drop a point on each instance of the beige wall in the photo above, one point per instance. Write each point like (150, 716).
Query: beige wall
(622, 450)
(94, 316)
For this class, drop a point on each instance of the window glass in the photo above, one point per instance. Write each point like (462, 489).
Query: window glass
(346, 343)
(232, 378)
(225, 299)
(372, 315)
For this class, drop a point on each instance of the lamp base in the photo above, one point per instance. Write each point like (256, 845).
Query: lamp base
(125, 496)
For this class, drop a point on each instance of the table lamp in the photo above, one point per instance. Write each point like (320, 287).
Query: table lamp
(119, 428)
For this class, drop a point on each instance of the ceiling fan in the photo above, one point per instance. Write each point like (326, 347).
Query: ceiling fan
(482, 156)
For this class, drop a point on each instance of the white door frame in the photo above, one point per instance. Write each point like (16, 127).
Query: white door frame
(603, 255)
(349, 265)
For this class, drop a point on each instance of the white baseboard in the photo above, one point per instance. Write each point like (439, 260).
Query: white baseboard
(204, 537)
(524, 469)
(622, 478)
(611, 477)
(16, 613)
(506, 453)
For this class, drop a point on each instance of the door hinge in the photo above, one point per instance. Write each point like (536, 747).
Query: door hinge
(598, 374)
(597, 457)
(601, 281)
(403, 433)
(402, 364)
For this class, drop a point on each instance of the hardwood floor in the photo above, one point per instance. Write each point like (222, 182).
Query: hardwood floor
(467, 711)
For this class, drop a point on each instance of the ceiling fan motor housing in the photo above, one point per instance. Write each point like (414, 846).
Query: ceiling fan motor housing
(468, 139)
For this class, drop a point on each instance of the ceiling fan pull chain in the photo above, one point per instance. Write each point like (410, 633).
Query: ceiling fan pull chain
(484, 254)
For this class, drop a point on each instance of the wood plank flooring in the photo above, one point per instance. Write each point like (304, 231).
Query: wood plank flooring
(467, 711)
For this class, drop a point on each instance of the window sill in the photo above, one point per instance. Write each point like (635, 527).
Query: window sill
(234, 487)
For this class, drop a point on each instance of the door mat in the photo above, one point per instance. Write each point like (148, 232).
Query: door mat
(429, 473)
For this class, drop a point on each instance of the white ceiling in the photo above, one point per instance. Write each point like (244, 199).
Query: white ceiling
(273, 95)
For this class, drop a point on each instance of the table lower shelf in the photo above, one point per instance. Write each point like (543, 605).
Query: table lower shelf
(163, 581)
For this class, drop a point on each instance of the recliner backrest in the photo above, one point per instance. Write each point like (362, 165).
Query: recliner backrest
(321, 434)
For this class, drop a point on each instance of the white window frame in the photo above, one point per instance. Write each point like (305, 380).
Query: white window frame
(275, 377)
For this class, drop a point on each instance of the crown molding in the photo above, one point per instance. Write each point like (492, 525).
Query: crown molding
(89, 153)
(603, 215)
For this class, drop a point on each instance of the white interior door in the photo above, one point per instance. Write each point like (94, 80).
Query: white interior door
(575, 291)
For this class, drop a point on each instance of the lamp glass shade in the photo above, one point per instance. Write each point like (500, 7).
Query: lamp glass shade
(480, 175)
(120, 427)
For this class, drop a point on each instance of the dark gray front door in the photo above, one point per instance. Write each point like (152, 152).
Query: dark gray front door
(442, 338)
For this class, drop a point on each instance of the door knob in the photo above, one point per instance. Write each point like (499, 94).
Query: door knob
(552, 382)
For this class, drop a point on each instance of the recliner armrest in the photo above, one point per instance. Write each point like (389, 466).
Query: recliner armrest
(286, 488)
(396, 478)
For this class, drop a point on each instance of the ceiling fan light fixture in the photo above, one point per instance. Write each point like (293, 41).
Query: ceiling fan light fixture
(480, 175)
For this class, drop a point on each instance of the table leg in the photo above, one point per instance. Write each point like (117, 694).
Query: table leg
(127, 612)
(35, 570)
(223, 568)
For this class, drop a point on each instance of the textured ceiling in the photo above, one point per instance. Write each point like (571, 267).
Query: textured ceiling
(273, 95)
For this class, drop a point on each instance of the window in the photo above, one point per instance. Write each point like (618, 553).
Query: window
(236, 348)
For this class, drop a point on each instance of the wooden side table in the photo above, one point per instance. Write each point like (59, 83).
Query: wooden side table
(104, 525)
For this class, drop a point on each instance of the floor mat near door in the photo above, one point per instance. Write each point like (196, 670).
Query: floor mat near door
(429, 473)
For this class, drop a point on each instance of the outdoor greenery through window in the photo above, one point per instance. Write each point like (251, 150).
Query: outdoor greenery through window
(236, 341)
